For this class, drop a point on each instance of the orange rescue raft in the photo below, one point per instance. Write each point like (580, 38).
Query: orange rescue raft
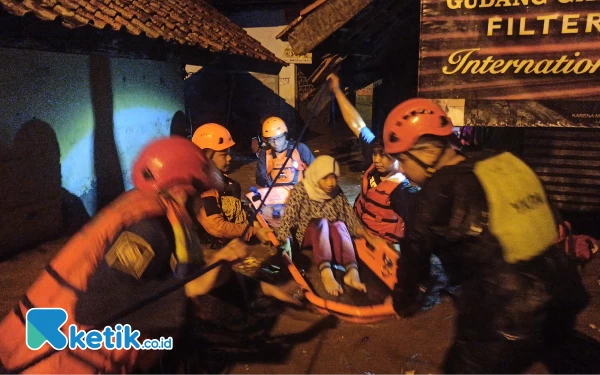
(381, 261)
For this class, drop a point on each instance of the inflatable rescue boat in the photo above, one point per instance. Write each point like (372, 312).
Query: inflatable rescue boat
(377, 267)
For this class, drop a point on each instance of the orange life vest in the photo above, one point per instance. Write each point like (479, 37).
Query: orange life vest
(293, 171)
(374, 210)
(66, 276)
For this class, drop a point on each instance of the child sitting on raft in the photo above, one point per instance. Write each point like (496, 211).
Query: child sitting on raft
(324, 220)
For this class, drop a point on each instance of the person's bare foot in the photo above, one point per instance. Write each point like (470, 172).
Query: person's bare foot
(352, 279)
(331, 285)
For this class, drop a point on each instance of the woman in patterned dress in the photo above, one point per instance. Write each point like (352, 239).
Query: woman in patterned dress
(323, 219)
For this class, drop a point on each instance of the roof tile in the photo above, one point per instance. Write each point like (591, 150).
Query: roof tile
(140, 15)
(178, 18)
(70, 4)
(121, 21)
(15, 8)
(90, 8)
(91, 20)
(115, 25)
(47, 3)
(183, 28)
(106, 10)
(77, 21)
(122, 11)
(171, 25)
(159, 32)
(41, 12)
(187, 22)
(141, 5)
(158, 10)
(133, 29)
(149, 31)
(63, 12)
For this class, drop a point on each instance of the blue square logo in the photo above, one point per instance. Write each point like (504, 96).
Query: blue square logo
(42, 325)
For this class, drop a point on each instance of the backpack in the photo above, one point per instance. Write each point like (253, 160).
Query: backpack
(579, 247)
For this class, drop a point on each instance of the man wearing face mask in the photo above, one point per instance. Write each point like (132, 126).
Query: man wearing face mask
(270, 161)
(221, 213)
(488, 219)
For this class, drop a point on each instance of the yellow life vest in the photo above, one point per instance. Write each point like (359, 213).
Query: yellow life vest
(519, 213)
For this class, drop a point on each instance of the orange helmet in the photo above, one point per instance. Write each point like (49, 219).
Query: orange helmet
(412, 119)
(170, 161)
(213, 136)
(273, 126)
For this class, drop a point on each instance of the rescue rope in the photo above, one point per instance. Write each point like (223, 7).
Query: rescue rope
(181, 283)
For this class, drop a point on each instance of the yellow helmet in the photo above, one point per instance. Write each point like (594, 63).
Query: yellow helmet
(213, 136)
(273, 126)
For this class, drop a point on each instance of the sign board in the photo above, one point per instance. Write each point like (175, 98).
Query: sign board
(513, 62)
(291, 58)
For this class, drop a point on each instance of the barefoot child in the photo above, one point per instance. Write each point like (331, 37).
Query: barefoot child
(324, 219)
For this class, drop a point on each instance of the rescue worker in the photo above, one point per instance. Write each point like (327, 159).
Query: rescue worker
(220, 212)
(140, 244)
(270, 161)
(488, 219)
(385, 193)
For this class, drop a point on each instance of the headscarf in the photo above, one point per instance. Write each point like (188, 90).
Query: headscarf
(321, 167)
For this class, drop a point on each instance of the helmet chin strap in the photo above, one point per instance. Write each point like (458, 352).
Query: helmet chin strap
(429, 168)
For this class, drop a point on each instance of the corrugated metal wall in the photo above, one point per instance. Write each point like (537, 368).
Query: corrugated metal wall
(568, 162)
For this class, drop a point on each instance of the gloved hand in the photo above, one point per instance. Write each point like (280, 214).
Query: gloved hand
(286, 248)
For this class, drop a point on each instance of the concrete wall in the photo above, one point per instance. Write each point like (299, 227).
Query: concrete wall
(239, 100)
(102, 111)
(287, 75)
(264, 25)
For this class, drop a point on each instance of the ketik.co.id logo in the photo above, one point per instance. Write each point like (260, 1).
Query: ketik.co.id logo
(43, 325)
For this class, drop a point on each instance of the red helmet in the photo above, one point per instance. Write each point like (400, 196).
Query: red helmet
(170, 161)
(412, 119)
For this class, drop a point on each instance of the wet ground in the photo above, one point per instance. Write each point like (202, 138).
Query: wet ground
(279, 339)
